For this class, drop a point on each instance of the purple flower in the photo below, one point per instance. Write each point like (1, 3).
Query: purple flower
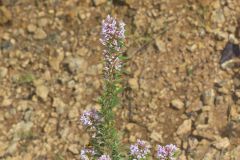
(87, 154)
(112, 32)
(108, 29)
(90, 118)
(112, 37)
(121, 30)
(161, 152)
(139, 150)
(111, 61)
(104, 157)
(166, 152)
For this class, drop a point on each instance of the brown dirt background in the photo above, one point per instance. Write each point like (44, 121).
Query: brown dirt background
(176, 92)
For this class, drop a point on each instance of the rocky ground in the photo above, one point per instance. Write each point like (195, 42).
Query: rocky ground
(50, 71)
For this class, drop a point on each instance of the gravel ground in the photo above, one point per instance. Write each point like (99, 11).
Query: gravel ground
(51, 70)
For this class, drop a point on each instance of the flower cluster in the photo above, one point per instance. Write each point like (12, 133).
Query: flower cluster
(166, 152)
(90, 118)
(104, 157)
(139, 150)
(87, 154)
(112, 37)
(112, 33)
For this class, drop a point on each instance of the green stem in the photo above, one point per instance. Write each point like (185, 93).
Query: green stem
(107, 139)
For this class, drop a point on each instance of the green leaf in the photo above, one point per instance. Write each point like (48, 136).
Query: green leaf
(122, 57)
(119, 90)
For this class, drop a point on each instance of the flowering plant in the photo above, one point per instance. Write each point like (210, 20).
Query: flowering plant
(140, 150)
(105, 141)
(168, 152)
